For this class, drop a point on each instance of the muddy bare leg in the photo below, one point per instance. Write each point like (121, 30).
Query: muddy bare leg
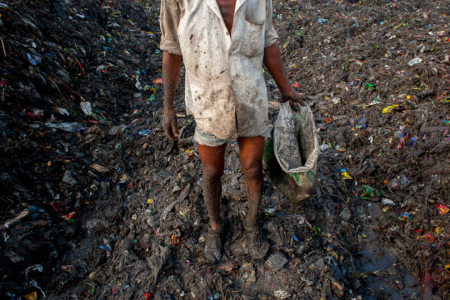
(251, 151)
(213, 165)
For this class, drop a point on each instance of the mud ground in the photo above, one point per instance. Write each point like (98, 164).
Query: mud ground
(98, 204)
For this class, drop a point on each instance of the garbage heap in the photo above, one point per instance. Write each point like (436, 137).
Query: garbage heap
(377, 77)
(75, 77)
(98, 204)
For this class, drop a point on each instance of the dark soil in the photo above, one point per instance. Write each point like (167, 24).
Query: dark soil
(86, 208)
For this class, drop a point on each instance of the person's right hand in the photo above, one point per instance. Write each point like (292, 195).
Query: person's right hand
(170, 124)
(292, 96)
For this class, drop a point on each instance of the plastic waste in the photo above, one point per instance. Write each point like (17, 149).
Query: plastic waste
(336, 100)
(281, 294)
(324, 147)
(99, 168)
(368, 193)
(439, 230)
(68, 216)
(31, 296)
(404, 181)
(68, 178)
(442, 209)
(156, 261)
(269, 211)
(276, 261)
(33, 59)
(33, 282)
(386, 201)
(361, 125)
(414, 61)
(345, 175)
(405, 216)
(143, 132)
(411, 143)
(59, 10)
(394, 184)
(116, 129)
(375, 101)
(63, 111)
(67, 127)
(124, 178)
(369, 86)
(429, 237)
(389, 109)
(291, 153)
(346, 214)
(176, 235)
(86, 107)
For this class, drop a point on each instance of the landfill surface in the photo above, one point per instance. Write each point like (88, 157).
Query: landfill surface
(98, 204)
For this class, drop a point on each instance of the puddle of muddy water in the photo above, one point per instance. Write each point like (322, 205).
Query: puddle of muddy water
(373, 260)
(382, 291)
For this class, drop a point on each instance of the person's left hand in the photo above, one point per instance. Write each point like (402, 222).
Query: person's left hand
(293, 97)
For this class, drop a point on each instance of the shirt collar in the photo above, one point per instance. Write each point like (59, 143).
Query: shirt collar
(215, 7)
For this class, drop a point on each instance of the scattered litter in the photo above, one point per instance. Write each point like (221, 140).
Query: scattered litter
(99, 168)
(386, 201)
(86, 107)
(414, 61)
(68, 178)
(276, 261)
(442, 209)
(95, 193)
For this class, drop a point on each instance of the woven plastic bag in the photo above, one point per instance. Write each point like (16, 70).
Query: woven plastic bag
(291, 154)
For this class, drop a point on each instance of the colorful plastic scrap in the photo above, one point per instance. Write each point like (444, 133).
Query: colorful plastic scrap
(429, 237)
(439, 230)
(389, 109)
(368, 193)
(369, 87)
(442, 209)
(405, 216)
(345, 175)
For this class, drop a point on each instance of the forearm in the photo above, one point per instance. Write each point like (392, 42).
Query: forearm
(272, 61)
(171, 72)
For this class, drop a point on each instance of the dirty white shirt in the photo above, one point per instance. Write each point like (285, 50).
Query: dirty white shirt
(224, 80)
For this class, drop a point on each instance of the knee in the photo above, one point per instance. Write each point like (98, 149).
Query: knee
(212, 173)
(252, 170)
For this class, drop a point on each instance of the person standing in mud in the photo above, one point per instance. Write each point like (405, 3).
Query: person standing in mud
(224, 44)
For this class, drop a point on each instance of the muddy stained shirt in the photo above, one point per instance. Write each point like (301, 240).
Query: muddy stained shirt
(224, 80)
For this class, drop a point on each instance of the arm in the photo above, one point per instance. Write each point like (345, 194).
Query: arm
(171, 71)
(272, 60)
(169, 20)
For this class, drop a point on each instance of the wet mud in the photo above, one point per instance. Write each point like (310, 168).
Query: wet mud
(98, 204)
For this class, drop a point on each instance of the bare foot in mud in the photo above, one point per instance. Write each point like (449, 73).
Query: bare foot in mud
(258, 246)
(213, 244)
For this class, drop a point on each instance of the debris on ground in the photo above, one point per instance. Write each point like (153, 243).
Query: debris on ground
(98, 204)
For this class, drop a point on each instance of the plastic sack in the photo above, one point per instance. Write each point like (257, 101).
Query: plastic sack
(290, 155)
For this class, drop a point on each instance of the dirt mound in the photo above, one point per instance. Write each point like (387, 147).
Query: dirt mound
(98, 204)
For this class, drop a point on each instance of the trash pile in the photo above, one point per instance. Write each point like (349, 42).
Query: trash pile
(377, 77)
(97, 203)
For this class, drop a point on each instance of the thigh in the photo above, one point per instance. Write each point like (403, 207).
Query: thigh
(251, 150)
(212, 157)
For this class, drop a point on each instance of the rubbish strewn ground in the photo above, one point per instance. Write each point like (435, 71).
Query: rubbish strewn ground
(98, 204)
